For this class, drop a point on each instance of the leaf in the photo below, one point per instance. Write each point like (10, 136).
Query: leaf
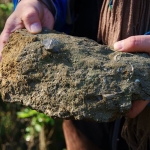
(34, 121)
(29, 129)
(22, 115)
(28, 137)
(26, 113)
(38, 127)
(3, 6)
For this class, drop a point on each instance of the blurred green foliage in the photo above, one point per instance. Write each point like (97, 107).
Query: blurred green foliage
(5, 11)
(23, 128)
(38, 121)
(7, 8)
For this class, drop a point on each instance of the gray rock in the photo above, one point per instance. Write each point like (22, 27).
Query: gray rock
(72, 77)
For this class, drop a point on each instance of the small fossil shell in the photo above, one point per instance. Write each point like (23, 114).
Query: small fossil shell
(52, 45)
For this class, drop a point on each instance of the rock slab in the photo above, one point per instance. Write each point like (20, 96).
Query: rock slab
(71, 77)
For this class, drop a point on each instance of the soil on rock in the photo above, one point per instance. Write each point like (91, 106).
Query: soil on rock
(72, 77)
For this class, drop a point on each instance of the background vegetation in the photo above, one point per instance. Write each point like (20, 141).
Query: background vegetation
(23, 128)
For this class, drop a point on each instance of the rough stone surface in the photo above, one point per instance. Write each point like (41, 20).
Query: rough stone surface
(71, 77)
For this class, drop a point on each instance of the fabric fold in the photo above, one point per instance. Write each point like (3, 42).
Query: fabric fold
(125, 19)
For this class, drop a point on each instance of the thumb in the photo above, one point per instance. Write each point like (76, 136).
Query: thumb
(32, 21)
(139, 43)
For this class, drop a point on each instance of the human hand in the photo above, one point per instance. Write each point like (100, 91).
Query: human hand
(29, 14)
(135, 44)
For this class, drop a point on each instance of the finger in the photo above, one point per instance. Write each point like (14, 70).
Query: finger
(31, 20)
(13, 23)
(137, 107)
(134, 44)
(48, 19)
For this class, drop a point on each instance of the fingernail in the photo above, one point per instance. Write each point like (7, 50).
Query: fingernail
(35, 27)
(118, 45)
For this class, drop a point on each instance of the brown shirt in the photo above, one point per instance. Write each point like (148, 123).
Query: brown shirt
(126, 18)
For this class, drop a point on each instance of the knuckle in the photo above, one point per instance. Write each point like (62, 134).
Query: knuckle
(132, 42)
(30, 15)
